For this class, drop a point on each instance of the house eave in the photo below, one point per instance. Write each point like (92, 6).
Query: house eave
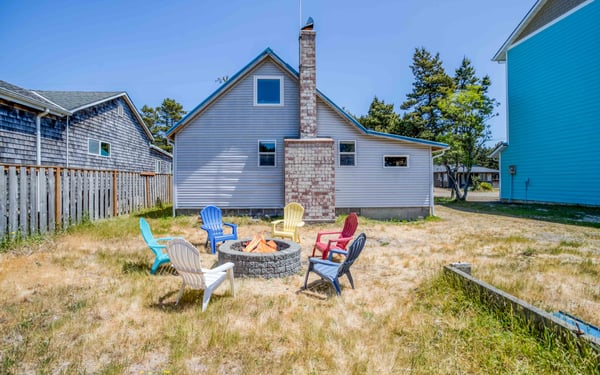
(498, 150)
(40, 106)
(160, 150)
(500, 56)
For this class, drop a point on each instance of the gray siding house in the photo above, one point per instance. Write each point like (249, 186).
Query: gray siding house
(93, 130)
(268, 137)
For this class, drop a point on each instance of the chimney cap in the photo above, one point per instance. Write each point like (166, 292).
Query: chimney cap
(310, 23)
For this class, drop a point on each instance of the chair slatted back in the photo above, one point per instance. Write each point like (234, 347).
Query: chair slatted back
(353, 253)
(350, 226)
(148, 236)
(212, 218)
(292, 216)
(186, 260)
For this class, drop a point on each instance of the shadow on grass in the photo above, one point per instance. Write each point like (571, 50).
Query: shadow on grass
(562, 214)
(156, 213)
(318, 289)
(144, 268)
(191, 299)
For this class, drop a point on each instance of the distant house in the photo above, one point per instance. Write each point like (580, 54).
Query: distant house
(553, 93)
(482, 174)
(95, 130)
(268, 136)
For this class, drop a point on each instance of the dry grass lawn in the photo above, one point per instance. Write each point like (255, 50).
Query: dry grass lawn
(84, 302)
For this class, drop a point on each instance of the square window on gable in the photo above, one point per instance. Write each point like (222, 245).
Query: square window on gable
(268, 90)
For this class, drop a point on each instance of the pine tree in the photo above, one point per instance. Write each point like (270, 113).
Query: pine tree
(160, 119)
(381, 117)
(430, 86)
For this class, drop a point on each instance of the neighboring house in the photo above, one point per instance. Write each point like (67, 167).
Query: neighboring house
(482, 174)
(553, 95)
(95, 130)
(268, 137)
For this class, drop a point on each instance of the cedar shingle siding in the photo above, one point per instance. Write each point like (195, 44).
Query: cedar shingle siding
(129, 143)
(551, 11)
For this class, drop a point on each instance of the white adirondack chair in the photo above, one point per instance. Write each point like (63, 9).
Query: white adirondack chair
(186, 260)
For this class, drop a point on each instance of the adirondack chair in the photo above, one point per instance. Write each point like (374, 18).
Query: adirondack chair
(332, 271)
(342, 240)
(289, 226)
(212, 223)
(186, 260)
(160, 256)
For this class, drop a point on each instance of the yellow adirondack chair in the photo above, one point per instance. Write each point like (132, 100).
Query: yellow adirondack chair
(289, 227)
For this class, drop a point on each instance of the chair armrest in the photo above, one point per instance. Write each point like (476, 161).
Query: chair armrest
(336, 251)
(233, 227)
(326, 234)
(342, 239)
(322, 261)
(276, 222)
(222, 267)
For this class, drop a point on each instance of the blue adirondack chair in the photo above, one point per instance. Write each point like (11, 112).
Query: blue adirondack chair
(332, 271)
(159, 250)
(212, 223)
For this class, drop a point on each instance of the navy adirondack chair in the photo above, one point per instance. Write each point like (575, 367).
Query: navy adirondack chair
(212, 223)
(332, 271)
(161, 256)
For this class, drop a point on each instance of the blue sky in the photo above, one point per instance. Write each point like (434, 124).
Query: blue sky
(157, 49)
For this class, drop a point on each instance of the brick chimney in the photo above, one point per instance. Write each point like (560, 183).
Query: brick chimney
(308, 81)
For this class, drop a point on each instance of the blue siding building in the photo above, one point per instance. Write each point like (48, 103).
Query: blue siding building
(552, 152)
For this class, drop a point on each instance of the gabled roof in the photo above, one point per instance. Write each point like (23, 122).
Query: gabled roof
(66, 103)
(29, 99)
(269, 54)
(522, 29)
(77, 100)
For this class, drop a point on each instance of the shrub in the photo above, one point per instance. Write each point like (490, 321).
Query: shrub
(485, 186)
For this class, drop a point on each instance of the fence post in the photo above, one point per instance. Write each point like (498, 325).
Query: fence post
(115, 195)
(57, 199)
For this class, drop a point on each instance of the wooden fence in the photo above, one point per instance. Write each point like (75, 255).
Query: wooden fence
(39, 199)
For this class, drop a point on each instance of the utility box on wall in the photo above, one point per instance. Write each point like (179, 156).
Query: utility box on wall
(512, 169)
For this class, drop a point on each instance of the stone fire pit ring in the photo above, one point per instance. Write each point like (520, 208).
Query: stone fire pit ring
(284, 262)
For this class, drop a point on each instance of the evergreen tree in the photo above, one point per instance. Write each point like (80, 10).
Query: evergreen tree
(430, 86)
(160, 119)
(466, 112)
(381, 117)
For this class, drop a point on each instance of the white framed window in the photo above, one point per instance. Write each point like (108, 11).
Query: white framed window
(268, 90)
(157, 166)
(347, 153)
(120, 110)
(96, 147)
(266, 153)
(395, 161)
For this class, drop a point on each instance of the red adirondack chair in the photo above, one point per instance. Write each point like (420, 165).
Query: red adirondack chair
(342, 240)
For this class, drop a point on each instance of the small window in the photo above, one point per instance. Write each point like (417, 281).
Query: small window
(98, 148)
(266, 153)
(157, 166)
(347, 153)
(395, 161)
(120, 110)
(268, 90)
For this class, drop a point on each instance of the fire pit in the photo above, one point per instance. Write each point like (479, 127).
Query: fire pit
(283, 262)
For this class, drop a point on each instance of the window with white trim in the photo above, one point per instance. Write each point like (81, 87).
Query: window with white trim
(120, 110)
(99, 148)
(395, 161)
(157, 166)
(266, 153)
(347, 153)
(268, 90)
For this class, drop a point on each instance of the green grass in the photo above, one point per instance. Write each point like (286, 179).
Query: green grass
(574, 215)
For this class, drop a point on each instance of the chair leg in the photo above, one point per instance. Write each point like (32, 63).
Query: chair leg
(213, 246)
(180, 292)
(314, 249)
(230, 277)
(206, 298)
(307, 272)
(350, 278)
(336, 285)
(155, 266)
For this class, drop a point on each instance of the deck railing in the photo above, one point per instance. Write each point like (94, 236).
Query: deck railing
(41, 199)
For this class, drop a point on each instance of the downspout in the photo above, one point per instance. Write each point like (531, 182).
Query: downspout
(38, 129)
(431, 201)
(67, 141)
